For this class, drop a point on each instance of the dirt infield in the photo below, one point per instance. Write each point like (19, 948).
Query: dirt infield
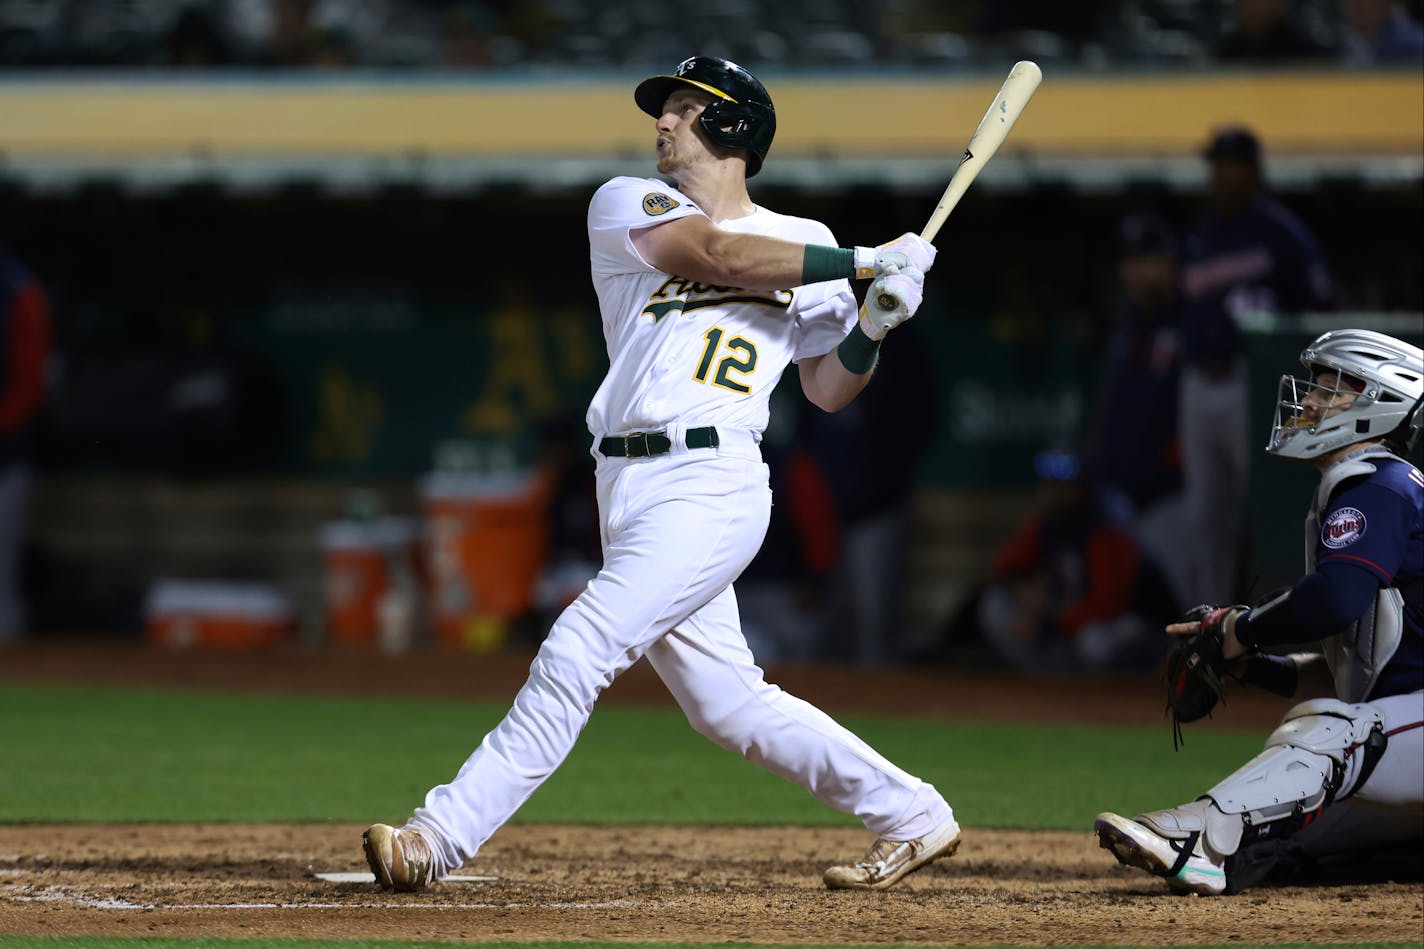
(645, 883)
(660, 884)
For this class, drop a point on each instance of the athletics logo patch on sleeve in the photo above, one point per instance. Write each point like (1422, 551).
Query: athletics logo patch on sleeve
(1342, 528)
(658, 203)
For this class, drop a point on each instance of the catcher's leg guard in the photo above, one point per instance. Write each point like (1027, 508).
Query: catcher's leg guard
(1324, 749)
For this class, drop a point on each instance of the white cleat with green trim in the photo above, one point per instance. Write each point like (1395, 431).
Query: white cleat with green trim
(1180, 860)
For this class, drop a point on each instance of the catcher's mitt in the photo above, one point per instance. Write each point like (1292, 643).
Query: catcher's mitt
(1195, 669)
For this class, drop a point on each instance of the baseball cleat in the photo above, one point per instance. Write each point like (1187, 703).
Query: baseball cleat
(399, 857)
(889, 860)
(1182, 863)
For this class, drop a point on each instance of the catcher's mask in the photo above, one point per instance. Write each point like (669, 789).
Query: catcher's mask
(1377, 393)
(740, 114)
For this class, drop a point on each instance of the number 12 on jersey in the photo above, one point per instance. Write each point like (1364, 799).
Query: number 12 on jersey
(740, 357)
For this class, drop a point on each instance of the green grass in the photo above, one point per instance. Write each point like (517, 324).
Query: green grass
(86, 754)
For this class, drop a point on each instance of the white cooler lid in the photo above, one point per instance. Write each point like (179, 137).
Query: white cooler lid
(261, 601)
(452, 485)
(377, 533)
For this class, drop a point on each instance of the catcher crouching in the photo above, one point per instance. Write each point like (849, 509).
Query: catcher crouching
(1340, 778)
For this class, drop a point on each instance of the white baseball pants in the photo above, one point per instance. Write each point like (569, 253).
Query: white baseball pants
(1389, 807)
(677, 530)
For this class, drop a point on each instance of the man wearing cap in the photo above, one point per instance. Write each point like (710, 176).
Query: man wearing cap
(1247, 260)
(706, 298)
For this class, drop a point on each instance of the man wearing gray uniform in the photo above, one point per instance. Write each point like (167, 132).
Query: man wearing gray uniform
(1248, 258)
(1345, 774)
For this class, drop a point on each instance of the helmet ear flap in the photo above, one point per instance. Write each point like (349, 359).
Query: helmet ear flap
(747, 125)
(741, 103)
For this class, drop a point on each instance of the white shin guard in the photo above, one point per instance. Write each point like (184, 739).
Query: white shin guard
(1323, 750)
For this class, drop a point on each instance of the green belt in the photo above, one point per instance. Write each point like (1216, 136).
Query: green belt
(643, 444)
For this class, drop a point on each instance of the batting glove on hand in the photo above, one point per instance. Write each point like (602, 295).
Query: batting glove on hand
(891, 300)
(906, 252)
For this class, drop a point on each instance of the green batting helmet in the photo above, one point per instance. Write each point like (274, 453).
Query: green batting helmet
(740, 102)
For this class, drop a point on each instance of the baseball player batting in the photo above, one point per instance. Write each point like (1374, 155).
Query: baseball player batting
(705, 298)
(1342, 775)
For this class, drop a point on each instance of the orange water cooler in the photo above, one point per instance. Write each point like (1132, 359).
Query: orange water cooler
(486, 538)
(369, 580)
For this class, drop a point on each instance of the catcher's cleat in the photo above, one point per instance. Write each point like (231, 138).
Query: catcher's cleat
(399, 857)
(1182, 862)
(889, 860)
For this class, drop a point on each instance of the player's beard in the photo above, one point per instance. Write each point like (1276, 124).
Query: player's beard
(684, 150)
(670, 162)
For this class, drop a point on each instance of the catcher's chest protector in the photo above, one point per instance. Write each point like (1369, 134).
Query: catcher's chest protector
(1361, 649)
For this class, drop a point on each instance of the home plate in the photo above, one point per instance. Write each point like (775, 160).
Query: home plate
(366, 877)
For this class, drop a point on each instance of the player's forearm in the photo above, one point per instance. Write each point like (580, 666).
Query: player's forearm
(1278, 674)
(828, 384)
(756, 262)
(745, 261)
(694, 248)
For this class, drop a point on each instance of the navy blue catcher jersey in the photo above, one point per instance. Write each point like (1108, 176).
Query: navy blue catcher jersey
(1376, 522)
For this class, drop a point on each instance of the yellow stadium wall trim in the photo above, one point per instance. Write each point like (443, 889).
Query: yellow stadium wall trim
(844, 117)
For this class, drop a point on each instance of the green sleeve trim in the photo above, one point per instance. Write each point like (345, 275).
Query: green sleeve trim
(821, 263)
(858, 352)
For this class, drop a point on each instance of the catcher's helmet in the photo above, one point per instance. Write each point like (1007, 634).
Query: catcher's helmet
(739, 102)
(1386, 378)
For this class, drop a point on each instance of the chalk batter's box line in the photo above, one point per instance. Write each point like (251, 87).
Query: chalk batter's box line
(364, 877)
(89, 902)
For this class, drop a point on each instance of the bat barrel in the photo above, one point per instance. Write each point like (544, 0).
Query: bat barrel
(1004, 111)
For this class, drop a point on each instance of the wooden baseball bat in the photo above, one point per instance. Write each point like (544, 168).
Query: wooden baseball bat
(1003, 112)
(993, 128)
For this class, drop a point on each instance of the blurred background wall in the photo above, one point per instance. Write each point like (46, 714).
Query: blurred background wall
(301, 255)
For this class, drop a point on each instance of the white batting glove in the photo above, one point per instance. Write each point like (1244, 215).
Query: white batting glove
(908, 251)
(891, 300)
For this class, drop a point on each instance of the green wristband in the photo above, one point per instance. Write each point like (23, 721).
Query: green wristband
(858, 352)
(821, 263)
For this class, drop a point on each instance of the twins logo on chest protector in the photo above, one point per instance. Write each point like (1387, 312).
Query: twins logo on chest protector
(1342, 528)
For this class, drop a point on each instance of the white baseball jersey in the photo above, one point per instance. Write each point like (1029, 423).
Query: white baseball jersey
(678, 529)
(688, 352)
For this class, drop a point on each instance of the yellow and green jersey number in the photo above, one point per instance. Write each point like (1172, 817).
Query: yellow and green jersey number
(738, 356)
